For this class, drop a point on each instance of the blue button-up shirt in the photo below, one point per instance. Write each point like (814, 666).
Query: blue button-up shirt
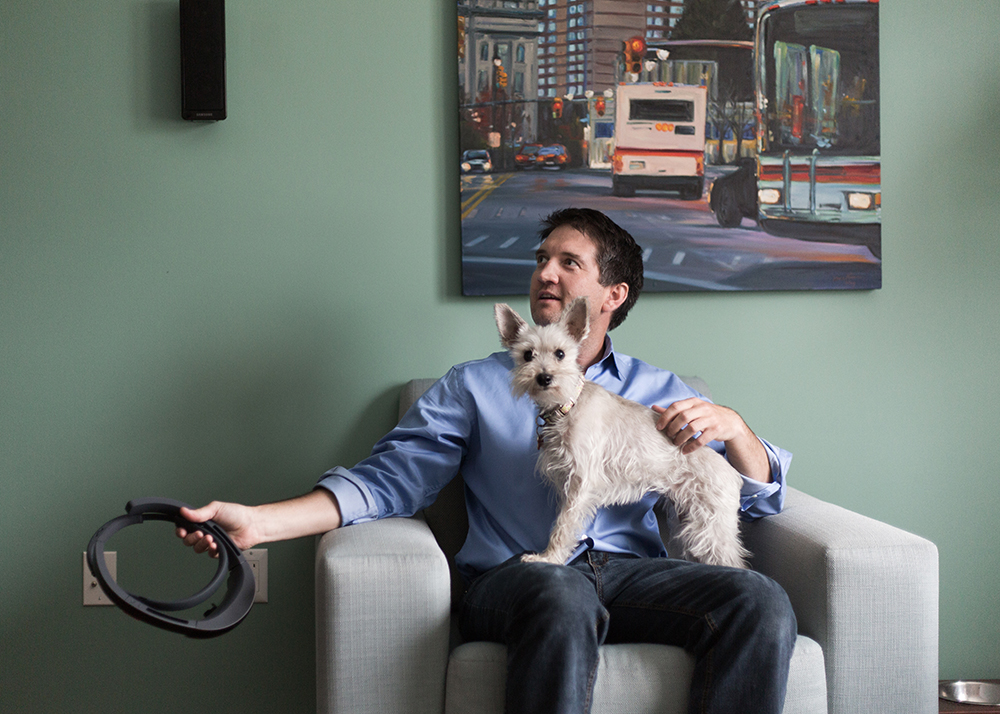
(469, 422)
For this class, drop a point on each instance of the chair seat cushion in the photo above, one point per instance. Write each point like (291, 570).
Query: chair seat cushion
(631, 679)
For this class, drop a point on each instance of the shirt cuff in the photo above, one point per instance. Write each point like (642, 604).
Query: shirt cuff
(753, 491)
(354, 498)
(765, 499)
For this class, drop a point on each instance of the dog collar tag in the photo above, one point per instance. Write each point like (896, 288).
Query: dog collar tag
(551, 416)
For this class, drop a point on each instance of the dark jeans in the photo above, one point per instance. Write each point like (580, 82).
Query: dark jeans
(553, 618)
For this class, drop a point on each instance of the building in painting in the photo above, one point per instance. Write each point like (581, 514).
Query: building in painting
(579, 41)
(498, 65)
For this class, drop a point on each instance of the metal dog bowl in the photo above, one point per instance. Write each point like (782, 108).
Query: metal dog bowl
(970, 692)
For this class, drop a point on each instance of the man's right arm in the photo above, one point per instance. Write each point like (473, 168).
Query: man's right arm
(404, 473)
(314, 513)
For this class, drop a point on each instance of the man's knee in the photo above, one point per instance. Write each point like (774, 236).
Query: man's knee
(766, 609)
(561, 600)
(557, 589)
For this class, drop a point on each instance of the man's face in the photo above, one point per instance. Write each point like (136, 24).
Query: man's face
(566, 268)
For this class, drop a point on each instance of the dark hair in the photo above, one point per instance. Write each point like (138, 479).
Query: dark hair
(619, 258)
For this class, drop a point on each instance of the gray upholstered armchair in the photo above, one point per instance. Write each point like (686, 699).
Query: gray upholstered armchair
(865, 595)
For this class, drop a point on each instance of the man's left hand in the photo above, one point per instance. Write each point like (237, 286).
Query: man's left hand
(691, 423)
(683, 420)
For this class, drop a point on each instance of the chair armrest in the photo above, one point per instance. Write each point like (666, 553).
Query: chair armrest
(383, 606)
(867, 592)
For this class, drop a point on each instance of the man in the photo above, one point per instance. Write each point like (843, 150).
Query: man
(617, 586)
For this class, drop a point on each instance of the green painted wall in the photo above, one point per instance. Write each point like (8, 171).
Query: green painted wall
(226, 310)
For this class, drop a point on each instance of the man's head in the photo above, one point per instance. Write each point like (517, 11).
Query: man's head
(585, 254)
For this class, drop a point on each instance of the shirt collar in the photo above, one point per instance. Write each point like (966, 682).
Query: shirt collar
(608, 363)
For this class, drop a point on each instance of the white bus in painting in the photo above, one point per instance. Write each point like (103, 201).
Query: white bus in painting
(659, 139)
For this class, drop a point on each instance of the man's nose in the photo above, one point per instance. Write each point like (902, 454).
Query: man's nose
(547, 273)
(543, 379)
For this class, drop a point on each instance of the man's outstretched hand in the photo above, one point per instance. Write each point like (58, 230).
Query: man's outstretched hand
(237, 520)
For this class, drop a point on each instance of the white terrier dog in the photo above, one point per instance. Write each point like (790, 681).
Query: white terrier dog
(599, 449)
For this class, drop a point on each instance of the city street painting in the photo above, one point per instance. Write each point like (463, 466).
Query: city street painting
(739, 146)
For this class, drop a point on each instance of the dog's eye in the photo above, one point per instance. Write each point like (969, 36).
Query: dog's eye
(528, 355)
(560, 354)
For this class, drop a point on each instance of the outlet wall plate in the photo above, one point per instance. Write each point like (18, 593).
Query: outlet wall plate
(257, 558)
(93, 594)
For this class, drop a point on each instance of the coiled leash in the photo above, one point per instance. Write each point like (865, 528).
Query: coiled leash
(218, 619)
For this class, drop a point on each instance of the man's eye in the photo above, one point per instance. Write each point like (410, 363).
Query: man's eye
(560, 354)
(528, 355)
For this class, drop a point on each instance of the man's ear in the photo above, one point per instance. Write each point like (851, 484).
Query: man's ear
(576, 319)
(509, 323)
(616, 297)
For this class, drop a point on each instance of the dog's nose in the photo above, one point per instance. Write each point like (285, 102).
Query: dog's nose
(543, 379)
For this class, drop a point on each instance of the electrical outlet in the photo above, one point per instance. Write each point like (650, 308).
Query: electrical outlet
(93, 594)
(257, 558)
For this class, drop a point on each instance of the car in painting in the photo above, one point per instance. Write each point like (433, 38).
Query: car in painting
(525, 156)
(476, 160)
(552, 155)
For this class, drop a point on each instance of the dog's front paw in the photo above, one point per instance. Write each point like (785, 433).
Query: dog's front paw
(535, 558)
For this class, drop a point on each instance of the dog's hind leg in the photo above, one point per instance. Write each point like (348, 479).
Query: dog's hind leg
(707, 502)
(710, 537)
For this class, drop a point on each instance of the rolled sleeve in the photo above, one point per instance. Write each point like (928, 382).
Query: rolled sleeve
(356, 502)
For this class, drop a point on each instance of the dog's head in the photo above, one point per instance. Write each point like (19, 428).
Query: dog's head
(545, 356)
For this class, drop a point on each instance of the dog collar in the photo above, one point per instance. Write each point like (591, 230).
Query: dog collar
(219, 619)
(551, 416)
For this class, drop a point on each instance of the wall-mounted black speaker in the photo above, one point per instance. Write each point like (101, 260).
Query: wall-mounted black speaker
(203, 59)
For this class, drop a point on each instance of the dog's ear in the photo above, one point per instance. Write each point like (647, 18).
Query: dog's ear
(509, 323)
(576, 318)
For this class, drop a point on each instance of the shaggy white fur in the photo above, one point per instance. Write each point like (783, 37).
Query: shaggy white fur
(599, 449)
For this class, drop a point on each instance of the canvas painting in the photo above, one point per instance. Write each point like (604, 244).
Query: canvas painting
(738, 142)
